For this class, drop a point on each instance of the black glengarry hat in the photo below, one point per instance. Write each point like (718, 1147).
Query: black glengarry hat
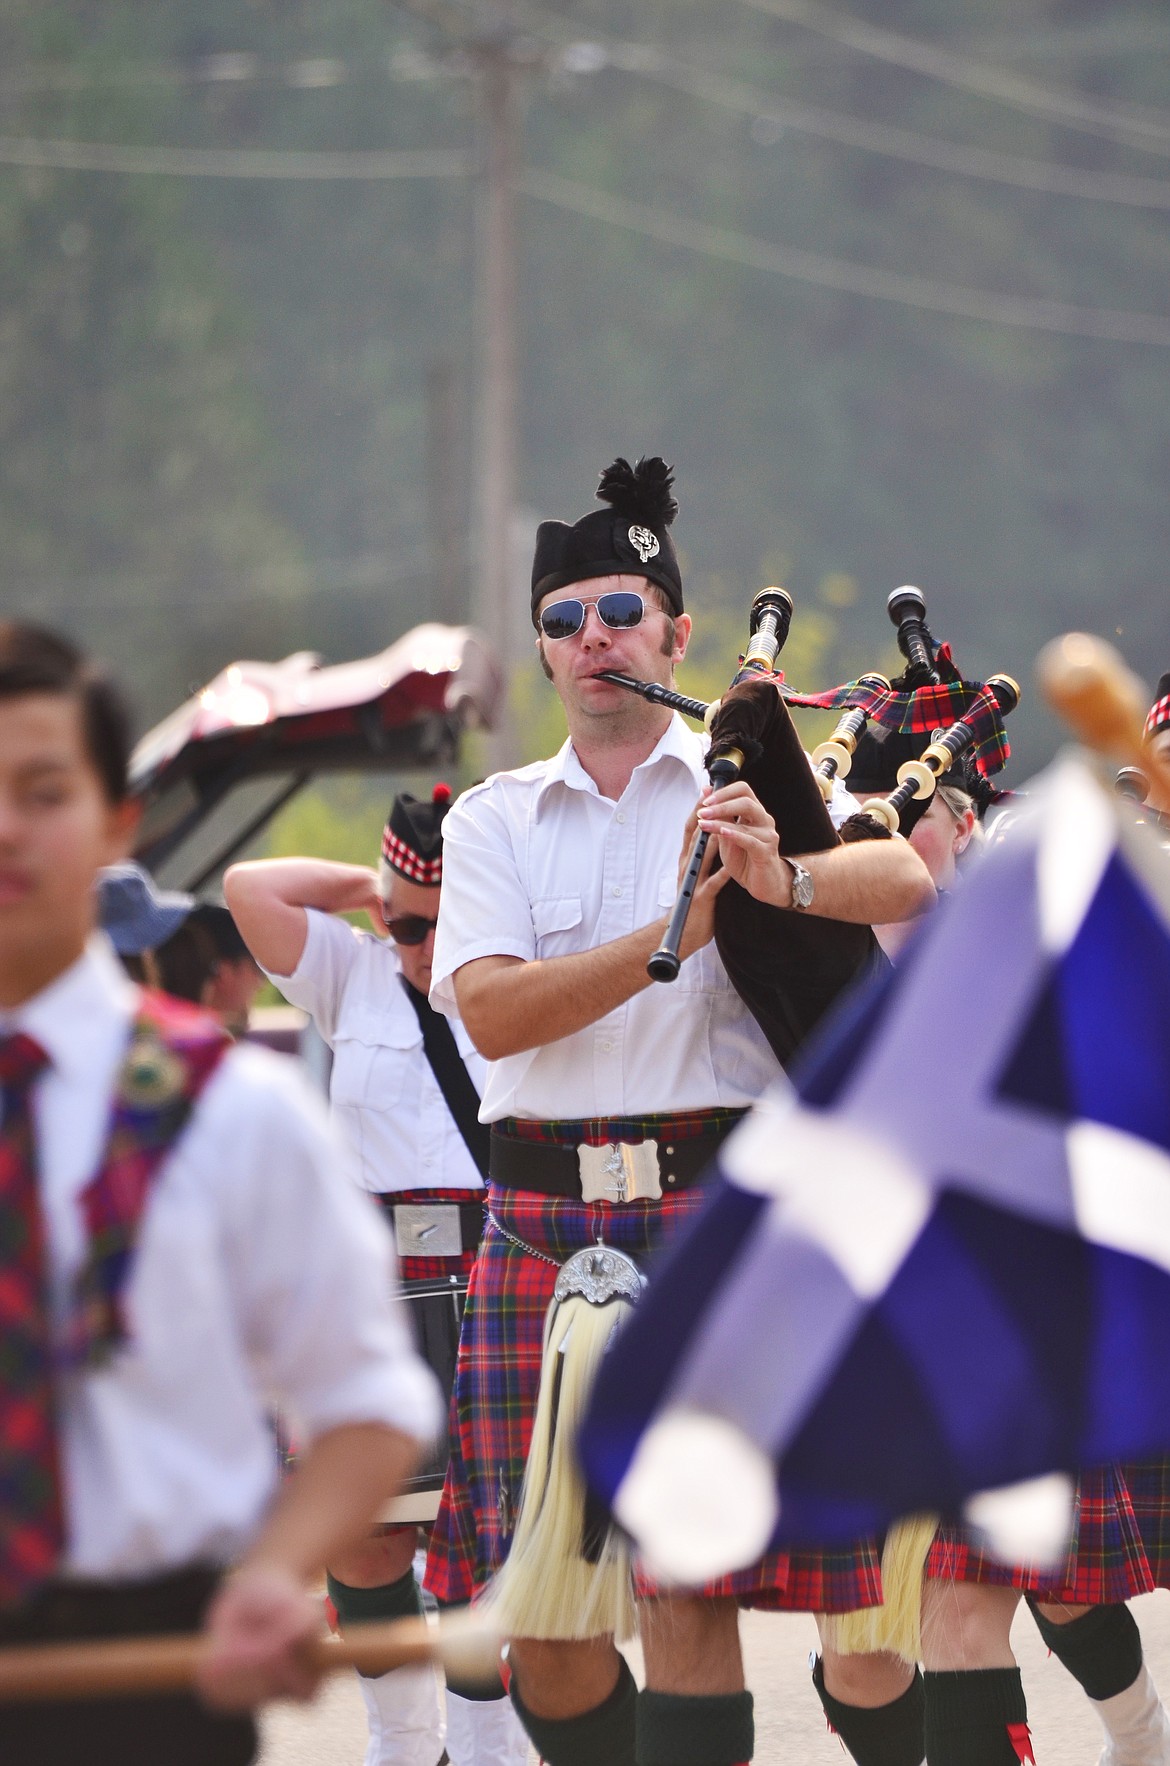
(629, 538)
(412, 840)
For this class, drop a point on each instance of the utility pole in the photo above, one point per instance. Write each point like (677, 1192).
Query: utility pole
(448, 542)
(489, 45)
(500, 72)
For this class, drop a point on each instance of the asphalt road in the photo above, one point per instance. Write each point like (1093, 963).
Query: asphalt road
(790, 1730)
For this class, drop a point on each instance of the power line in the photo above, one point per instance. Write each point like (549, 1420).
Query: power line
(1020, 311)
(231, 162)
(650, 62)
(719, 242)
(903, 144)
(1126, 124)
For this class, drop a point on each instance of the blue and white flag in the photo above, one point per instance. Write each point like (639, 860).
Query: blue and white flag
(941, 1273)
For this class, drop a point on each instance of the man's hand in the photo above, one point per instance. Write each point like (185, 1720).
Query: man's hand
(746, 838)
(259, 1634)
(700, 926)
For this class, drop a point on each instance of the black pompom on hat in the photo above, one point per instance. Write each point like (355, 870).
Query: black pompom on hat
(628, 538)
(412, 840)
(1159, 717)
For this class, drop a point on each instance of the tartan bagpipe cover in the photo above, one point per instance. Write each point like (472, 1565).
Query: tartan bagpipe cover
(922, 710)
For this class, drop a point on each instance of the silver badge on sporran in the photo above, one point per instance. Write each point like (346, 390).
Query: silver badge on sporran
(644, 543)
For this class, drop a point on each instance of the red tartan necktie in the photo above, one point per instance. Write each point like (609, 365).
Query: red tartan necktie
(31, 1525)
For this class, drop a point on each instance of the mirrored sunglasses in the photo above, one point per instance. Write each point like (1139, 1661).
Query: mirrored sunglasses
(408, 928)
(621, 610)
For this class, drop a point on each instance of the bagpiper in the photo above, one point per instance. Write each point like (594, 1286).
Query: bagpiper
(607, 1098)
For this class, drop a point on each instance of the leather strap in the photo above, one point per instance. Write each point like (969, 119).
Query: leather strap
(459, 1094)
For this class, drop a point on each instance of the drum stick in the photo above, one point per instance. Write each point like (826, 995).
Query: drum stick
(1098, 696)
(125, 1666)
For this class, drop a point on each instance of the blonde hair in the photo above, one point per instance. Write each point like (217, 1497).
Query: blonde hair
(959, 802)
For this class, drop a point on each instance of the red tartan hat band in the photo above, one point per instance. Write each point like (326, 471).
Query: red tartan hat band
(1159, 717)
(412, 840)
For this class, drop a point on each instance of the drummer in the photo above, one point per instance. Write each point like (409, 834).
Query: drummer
(405, 1086)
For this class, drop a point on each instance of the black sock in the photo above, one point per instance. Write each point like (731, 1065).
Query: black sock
(361, 1606)
(970, 1717)
(676, 1729)
(604, 1734)
(392, 1600)
(1102, 1649)
(881, 1735)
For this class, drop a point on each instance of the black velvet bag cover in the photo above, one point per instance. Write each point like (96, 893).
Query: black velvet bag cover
(787, 967)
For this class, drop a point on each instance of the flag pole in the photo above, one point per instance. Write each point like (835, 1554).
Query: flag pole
(1100, 698)
(128, 1666)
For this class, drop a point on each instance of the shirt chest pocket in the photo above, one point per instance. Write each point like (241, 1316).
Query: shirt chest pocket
(556, 921)
(703, 972)
(376, 1059)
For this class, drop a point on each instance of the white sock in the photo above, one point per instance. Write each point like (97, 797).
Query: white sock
(484, 1732)
(405, 1717)
(1136, 1725)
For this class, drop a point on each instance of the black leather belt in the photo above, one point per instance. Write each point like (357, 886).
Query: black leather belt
(176, 1600)
(553, 1169)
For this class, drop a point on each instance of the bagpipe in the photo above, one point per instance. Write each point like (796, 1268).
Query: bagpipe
(789, 967)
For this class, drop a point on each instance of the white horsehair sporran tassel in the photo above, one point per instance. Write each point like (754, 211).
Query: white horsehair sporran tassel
(896, 1625)
(548, 1588)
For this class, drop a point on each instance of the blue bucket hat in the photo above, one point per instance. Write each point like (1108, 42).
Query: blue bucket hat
(134, 912)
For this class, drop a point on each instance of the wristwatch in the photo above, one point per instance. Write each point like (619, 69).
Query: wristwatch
(802, 885)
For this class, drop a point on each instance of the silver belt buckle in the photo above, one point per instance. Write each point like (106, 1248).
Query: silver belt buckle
(427, 1229)
(619, 1171)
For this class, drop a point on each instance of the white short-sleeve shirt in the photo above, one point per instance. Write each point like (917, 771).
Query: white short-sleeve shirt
(538, 864)
(261, 1275)
(384, 1094)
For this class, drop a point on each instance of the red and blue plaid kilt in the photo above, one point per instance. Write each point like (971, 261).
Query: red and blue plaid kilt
(498, 1378)
(1108, 1560)
(429, 1269)
(1149, 1492)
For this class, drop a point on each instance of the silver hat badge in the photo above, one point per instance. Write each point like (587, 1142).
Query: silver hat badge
(644, 543)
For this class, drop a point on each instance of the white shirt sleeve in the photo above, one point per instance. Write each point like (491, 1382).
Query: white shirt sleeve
(317, 984)
(842, 804)
(310, 1263)
(484, 909)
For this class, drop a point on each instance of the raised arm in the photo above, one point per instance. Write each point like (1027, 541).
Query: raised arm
(268, 899)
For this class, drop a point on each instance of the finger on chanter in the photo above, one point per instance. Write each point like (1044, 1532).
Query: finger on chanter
(733, 801)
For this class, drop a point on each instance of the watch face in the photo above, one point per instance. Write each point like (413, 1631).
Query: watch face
(802, 889)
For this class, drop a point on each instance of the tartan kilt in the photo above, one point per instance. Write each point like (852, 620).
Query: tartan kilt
(494, 1402)
(1108, 1560)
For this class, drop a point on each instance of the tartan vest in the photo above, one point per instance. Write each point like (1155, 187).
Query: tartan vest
(173, 1051)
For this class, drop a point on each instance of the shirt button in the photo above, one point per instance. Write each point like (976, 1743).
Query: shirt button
(621, 815)
(607, 1048)
(617, 888)
(668, 1151)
